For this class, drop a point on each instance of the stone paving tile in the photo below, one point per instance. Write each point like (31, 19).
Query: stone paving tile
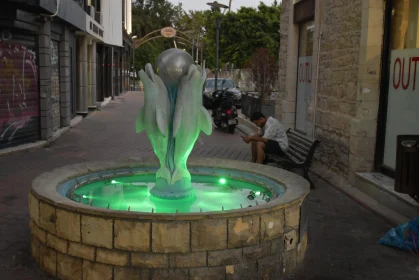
(342, 235)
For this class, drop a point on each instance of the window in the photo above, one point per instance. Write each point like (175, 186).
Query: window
(227, 84)
(403, 88)
(304, 78)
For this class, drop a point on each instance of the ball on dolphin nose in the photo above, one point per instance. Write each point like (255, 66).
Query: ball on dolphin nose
(172, 64)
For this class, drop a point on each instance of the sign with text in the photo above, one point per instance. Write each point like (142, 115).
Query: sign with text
(304, 92)
(403, 100)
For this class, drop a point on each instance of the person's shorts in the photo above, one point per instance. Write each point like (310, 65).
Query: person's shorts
(272, 147)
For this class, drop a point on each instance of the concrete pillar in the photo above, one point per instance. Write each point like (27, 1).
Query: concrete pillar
(92, 75)
(112, 72)
(65, 76)
(82, 86)
(44, 52)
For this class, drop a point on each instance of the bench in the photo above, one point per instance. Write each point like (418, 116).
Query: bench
(299, 155)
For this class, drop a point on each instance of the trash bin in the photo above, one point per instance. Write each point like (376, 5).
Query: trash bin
(407, 165)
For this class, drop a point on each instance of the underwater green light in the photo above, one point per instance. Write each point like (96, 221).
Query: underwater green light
(113, 182)
(257, 193)
(222, 181)
(85, 196)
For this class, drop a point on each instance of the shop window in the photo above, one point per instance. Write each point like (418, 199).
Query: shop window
(403, 91)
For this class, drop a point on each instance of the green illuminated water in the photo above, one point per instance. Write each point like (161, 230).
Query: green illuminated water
(133, 193)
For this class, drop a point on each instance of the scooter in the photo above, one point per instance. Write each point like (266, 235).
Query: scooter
(224, 112)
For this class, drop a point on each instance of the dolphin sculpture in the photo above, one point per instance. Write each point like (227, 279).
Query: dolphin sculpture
(190, 118)
(154, 117)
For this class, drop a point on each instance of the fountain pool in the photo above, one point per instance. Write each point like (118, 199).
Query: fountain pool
(82, 238)
(132, 192)
(169, 217)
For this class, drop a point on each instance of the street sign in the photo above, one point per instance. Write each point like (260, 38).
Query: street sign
(168, 32)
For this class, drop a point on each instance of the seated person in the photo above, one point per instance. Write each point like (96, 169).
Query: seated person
(272, 140)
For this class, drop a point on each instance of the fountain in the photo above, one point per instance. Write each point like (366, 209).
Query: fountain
(170, 216)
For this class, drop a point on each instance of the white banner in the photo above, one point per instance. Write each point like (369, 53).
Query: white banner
(403, 100)
(304, 92)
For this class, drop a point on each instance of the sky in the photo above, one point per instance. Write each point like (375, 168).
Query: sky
(235, 4)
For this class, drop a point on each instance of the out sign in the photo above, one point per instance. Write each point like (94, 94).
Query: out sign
(304, 70)
(404, 70)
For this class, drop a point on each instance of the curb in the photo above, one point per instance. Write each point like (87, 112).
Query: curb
(42, 143)
(369, 203)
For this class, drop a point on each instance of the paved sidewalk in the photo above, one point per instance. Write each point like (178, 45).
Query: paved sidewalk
(343, 235)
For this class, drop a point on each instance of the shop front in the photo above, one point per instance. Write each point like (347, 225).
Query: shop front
(399, 103)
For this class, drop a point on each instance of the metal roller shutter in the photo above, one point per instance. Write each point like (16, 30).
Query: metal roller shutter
(19, 91)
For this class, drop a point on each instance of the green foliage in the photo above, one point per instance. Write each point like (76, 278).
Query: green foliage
(149, 16)
(241, 33)
(249, 29)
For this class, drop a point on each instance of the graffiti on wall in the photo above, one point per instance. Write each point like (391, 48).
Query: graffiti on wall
(19, 111)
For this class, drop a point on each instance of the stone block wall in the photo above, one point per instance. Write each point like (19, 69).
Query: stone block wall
(338, 77)
(250, 245)
(284, 104)
(345, 106)
(44, 52)
(65, 76)
(55, 93)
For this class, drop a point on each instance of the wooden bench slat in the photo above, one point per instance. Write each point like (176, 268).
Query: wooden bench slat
(292, 143)
(299, 155)
(300, 141)
(300, 136)
(295, 155)
(298, 150)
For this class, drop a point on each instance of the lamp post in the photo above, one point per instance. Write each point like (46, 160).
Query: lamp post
(217, 6)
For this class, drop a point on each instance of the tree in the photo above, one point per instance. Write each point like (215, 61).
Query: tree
(264, 69)
(249, 29)
(149, 16)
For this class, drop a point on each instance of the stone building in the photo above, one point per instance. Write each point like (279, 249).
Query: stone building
(348, 78)
(53, 55)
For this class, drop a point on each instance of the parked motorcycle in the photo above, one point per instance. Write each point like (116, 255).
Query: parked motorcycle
(224, 112)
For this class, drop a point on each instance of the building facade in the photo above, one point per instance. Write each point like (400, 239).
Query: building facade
(348, 73)
(53, 58)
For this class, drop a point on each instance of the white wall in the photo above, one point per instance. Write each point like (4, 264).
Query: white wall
(112, 22)
(128, 16)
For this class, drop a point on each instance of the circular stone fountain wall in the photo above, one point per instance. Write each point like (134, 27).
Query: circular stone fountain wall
(70, 240)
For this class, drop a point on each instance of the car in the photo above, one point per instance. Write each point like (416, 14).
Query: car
(225, 83)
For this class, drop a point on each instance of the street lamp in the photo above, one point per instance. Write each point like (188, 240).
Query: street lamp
(217, 6)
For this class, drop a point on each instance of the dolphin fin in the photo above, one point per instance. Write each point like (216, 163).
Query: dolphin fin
(161, 121)
(164, 173)
(205, 122)
(180, 174)
(139, 123)
(177, 119)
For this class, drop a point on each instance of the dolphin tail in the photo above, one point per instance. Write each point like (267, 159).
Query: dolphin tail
(179, 174)
(164, 173)
(205, 122)
(139, 123)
